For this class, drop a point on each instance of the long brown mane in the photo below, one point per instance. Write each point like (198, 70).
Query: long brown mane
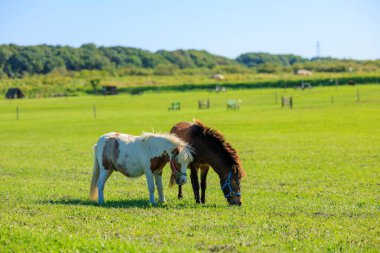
(219, 143)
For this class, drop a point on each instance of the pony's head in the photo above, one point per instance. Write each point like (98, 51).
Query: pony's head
(180, 158)
(231, 186)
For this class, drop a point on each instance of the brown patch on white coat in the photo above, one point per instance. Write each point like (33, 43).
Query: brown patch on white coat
(110, 155)
(158, 163)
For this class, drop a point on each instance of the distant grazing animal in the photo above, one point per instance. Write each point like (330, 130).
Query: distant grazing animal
(304, 72)
(211, 149)
(135, 155)
(218, 77)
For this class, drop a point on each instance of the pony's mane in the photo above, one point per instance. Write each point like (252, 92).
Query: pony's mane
(185, 150)
(170, 137)
(221, 144)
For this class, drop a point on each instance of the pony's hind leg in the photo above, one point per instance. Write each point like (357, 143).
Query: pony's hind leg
(104, 175)
(204, 171)
(160, 188)
(195, 182)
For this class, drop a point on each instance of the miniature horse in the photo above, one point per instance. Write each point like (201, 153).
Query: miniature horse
(136, 155)
(211, 149)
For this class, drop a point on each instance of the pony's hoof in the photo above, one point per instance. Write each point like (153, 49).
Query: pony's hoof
(162, 204)
(180, 197)
(152, 204)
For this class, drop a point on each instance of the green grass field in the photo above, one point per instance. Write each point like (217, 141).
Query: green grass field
(312, 182)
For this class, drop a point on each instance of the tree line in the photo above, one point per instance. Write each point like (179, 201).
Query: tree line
(18, 61)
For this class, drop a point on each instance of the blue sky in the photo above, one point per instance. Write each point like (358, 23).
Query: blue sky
(344, 28)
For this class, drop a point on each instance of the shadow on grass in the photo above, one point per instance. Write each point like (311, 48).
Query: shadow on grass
(130, 203)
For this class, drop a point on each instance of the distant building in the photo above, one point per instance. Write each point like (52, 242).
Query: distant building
(14, 93)
(109, 90)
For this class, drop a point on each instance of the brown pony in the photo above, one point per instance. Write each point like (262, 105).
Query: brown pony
(211, 149)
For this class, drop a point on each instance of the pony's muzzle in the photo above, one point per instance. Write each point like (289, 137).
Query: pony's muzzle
(181, 180)
(234, 201)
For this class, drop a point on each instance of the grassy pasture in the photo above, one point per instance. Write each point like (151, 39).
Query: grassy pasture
(312, 180)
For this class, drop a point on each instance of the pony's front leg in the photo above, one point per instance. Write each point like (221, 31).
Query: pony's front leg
(180, 195)
(150, 182)
(160, 188)
(204, 171)
(195, 182)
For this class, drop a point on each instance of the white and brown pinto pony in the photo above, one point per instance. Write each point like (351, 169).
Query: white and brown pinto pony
(134, 156)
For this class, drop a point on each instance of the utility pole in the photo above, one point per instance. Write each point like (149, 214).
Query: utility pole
(318, 50)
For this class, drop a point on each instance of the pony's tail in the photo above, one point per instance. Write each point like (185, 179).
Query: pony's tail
(95, 177)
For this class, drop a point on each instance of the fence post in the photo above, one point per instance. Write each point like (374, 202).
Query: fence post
(275, 96)
(17, 112)
(94, 108)
(291, 102)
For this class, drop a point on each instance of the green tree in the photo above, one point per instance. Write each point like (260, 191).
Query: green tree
(95, 84)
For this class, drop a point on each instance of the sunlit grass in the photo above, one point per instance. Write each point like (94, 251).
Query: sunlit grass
(312, 174)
